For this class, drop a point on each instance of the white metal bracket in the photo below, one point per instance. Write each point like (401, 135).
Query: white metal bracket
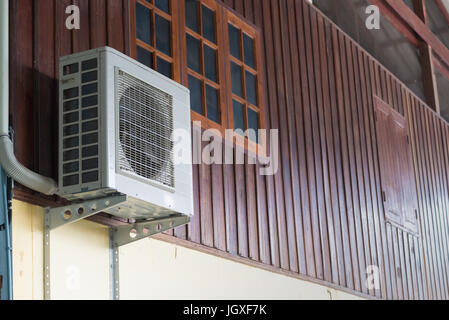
(114, 268)
(129, 233)
(61, 216)
(118, 236)
(57, 217)
(122, 235)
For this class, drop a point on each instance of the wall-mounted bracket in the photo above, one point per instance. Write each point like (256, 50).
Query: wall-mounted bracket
(118, 236)
(114, 268)
(57, 217)
(129, 233)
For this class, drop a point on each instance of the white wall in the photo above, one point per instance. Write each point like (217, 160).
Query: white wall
(149, 269)
(153, 269)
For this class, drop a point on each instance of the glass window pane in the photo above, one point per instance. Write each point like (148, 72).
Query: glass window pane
(239, 119)
(164, 67)
(437, 21)
(388, 45)
(164, 5)
(443, 94)
(234, 41)
(192, 15)
(163, 35)
(213, 112)
(145, 57)
(236, 75)
(193, 54)
(210, 63)
(253, 123)
(196, 96)
(251, 88)
(208, 24)
(248, 47)
(143, 23)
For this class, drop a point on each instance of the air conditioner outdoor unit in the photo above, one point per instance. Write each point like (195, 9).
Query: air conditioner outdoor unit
(116, 120)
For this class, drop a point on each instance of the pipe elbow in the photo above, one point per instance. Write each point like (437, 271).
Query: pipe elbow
(20, 173)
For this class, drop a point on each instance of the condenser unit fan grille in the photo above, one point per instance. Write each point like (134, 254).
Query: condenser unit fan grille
(145, 129)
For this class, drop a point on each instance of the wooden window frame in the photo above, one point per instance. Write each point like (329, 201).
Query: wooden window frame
(206, 123)
(180, 70)
(396, 166)
(134, 42)
(252, 31)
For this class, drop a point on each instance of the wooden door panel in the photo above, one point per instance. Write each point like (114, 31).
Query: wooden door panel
(388, 163)
(396, 166)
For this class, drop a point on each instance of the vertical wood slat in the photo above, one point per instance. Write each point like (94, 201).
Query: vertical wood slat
(424, 202)
(207, 224)
(312, 137)
(431, 184)
(304, 144)
(438, 174)
(297, 148)
(376, 193)
(336, 184)
(251, 202)
(81, 36)
(291, 64)
(194, 228)
(218, 207)
(97, 21)
(415, 146)
(344, 170)
(288, 139)
(320, 154)
(242, 222)
(276, 240)
(278, 189)
(368, 166)
(44, 86)
(350, 174)
(25, 133)
(361, 167)
(115, 27)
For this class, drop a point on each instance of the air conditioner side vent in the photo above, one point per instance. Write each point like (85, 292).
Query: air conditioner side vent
(80, 121)
(145, 127)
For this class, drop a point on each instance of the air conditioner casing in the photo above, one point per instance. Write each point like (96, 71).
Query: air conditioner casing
(136, 110)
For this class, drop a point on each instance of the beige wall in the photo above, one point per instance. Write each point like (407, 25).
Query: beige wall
(149, 269)
(79, 256)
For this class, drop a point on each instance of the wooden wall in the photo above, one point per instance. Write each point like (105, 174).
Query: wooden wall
(321, 216)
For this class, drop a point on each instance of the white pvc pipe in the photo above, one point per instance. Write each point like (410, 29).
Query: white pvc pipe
(8, 161)
(4, 67)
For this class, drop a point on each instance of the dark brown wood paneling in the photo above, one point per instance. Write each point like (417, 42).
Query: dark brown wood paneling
(321, 216)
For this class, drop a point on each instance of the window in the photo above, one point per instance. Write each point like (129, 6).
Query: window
(203, 43)
(443, 94)
(212, 51)
(396, 167)
(155, 41)
(243, 72)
